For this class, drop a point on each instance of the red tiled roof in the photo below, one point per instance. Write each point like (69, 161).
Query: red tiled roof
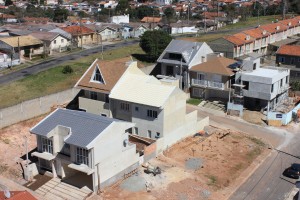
(151, 19)
(272, 28)
(257, 33)
(18, 195)
(290, 22)
(239, 39)
(78, 30)
(292, 50)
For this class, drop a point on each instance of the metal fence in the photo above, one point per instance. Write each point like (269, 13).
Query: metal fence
(35, 107)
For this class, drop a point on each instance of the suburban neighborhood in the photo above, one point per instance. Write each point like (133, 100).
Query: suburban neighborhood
(162, 99)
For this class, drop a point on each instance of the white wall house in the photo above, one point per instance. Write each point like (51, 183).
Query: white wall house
(120, 19)
(90, 148)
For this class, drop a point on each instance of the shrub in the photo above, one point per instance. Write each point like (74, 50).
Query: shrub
(67, 69)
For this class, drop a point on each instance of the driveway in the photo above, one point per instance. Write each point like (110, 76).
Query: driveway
(55, 189)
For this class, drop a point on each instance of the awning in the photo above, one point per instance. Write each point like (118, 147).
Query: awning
(82, 167)
(44, 155)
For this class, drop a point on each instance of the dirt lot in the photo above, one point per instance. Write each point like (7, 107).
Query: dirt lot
(12, 148)
(196, 168)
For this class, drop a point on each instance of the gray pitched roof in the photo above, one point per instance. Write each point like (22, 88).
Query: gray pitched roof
(85, 127)
(188, 49)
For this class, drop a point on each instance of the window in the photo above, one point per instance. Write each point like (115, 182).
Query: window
(152, 113)
(125, 106)
(54, 41)
(66, 150)
(246, 83)
(82, 156)
(254, 66)
(94, 95)
(149, 134)
(200, 76)
(97, 76)
(281, 59)
(272, 88)
(157, 135)
(281, 82)
(136, 109)
(136, 130)
(47, 145)
(62, 40)
(103, 115)
(292, 61)
(169, 71)
(106, 98)
(286, 79)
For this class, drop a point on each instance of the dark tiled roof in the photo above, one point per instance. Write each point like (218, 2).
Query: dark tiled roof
(85, 127)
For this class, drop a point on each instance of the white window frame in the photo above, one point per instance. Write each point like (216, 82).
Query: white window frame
(94, 79)
(47, 145)
(82, 156)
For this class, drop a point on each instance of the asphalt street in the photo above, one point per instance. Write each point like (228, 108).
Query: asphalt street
(57, 61)
(267, 182)
(17, 75)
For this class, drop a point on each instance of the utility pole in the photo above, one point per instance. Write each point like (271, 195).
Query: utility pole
(188, 12)
(27, 168)
(283, 12)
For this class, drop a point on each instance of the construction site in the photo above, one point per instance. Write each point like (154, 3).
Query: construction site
(209, 165)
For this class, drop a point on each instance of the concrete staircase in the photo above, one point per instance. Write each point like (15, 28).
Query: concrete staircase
(214, 105)
(55, 189)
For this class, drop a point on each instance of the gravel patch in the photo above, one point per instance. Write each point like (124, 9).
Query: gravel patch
(193, 163)
(134, 183)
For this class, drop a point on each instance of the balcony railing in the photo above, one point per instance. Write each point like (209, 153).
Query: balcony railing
(206, 83)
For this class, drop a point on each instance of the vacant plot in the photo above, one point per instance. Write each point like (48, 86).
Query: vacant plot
(53, 80)
(200, 167)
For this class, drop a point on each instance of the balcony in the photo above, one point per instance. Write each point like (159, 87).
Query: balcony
(209, 84)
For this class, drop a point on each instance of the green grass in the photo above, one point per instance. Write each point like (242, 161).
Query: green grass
(53, 80)
(212, 180)
(194, 101)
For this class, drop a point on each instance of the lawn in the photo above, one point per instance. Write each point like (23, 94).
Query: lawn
(53, 80)
(193, 101)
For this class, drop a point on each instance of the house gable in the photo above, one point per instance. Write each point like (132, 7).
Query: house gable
(97, 76)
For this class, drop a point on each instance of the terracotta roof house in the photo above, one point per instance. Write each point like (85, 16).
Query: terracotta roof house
(151, 20)
(97, 82)
(53, 41)
(278, 31)
(16, 195)
(289, 56)
(81, 35)
(293, 25)
(261, 41)
(211, 79)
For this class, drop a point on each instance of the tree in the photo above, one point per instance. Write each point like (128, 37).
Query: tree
(60, 14)
(257, 9)
(8, 2)
(146, 11)
(169, 13)
(122, 7)
(154, 42)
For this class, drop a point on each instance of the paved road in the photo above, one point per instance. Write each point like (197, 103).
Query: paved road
(267, 182)
(57, 61)
(74, 56)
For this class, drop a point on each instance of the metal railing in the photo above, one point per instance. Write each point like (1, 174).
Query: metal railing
(207, 83)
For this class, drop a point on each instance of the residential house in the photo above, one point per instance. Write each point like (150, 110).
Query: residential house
(233, 46)
(163, 2)
(97, 83)
(6, 61)
(133, 30)
(179, 56)
(293, 26)
(259, 88)
(212, 79)
(62, 33)
(261, 41)
(289, 56)
(158, 108)
(90, 148)
(152, 21)
(52, 41)
(8, 18)
(81, 35)
(181, 27)
(105, 31)
(21, 47)
(120, 19)
(278, 31)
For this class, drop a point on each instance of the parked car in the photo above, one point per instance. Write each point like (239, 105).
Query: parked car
(293, 171)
